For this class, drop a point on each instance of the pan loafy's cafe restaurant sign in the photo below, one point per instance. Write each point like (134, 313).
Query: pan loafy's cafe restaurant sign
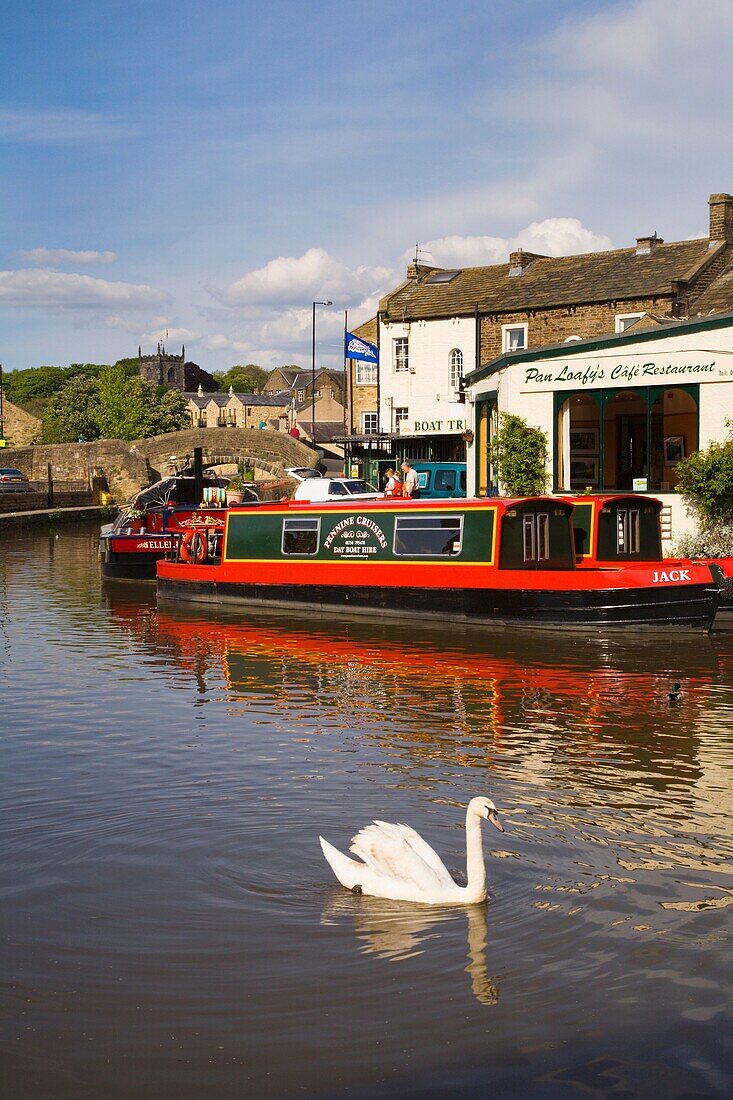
(355, 537)
(633, 370)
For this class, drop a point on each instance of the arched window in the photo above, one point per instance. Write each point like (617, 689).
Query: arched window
(171, 374)
(456, 369)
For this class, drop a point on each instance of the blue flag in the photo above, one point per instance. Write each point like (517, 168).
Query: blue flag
(361, 349)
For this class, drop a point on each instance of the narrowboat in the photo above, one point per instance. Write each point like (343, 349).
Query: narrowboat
(492, 561)
(626, 528)
(153, 521)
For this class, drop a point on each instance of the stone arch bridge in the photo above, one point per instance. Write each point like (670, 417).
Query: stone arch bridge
(130, 466)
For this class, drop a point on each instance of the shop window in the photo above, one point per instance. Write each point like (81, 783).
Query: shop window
(625, 442)
(634, 444)
(673, 435)
(300, 536)
(514, 337)
(401, 354)
(366, 374)
(428, 536)
(578, 434)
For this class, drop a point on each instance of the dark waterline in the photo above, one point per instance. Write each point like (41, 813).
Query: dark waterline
(169, 926)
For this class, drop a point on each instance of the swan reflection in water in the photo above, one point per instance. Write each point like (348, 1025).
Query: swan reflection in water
(396, 931)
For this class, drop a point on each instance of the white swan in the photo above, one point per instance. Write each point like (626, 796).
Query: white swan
(398, 864)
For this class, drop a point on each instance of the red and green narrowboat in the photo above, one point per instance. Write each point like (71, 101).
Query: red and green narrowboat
(489, 561)
(154, 521)
(626, 529)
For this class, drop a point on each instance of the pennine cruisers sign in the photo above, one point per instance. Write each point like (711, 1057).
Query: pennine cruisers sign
(637, 370)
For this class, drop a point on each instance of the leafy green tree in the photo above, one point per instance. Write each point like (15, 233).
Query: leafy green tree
(243, 379)
(168, 413)
(122, 404)
(72, 413)
(519, 455)
(705, 480)
(113, 406)
(22, 386)
(130, 366)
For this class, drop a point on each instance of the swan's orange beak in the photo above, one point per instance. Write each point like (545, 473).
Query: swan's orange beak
(493, 818)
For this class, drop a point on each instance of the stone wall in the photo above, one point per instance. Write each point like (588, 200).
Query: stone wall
(20, 427)
(553, 326)
(131, 466)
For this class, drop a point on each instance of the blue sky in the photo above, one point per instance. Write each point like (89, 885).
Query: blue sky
(208, 169)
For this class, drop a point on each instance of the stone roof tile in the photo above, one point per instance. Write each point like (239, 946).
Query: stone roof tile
(550, 281)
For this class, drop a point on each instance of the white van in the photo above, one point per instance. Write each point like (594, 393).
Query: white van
(335, 488)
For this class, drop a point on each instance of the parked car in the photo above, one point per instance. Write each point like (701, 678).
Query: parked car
(302, 473)
(335, 488)
(440, 479)
(13, 481)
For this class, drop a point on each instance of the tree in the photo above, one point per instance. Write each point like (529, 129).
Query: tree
(705, 480)
(113, 406)
(72, 413)
(168, 413)
(22, 386)
(243, 379)
(519, 455)
(122, 404)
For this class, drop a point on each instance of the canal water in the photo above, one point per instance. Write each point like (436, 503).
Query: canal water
(171, 930)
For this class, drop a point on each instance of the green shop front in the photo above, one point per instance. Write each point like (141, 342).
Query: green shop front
(619, 412)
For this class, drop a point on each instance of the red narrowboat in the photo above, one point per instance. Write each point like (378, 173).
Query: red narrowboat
(491, 561)
(618, 529)
(154, 522)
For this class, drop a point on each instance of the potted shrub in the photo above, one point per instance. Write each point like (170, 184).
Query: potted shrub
(235, 490)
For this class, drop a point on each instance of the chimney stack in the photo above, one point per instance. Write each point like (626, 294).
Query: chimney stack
(646, 245)
(520, 260)
(721, 218)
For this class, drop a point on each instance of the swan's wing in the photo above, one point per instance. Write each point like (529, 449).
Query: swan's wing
(391, 850)
(423, 849)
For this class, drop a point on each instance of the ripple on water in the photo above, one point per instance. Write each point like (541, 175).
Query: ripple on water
(167, 905)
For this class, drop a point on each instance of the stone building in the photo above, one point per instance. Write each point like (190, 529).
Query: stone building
(163, 369)
(238, 410)
(324, 400)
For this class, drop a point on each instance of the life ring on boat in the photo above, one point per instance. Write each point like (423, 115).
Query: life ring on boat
(193, 547)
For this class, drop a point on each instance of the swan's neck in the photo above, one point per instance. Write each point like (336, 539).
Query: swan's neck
(475, 866)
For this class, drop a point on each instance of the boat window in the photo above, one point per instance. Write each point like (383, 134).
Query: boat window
(300, 536)
(536, 536)
(428, 536)
(628, 531)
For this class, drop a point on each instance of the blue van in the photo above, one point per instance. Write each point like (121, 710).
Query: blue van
(440, 479)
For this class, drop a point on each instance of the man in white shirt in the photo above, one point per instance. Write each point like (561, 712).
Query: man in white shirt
(411, 483)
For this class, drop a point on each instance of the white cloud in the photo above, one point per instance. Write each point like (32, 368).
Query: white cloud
(290, 280)
(550, 237)
(55, 257)
(44, 288)
(171, 336)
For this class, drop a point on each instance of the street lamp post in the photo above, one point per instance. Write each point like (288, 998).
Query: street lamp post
(313, 372)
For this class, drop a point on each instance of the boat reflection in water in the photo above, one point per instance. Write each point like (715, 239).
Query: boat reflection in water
(397, 931)
(584, 699)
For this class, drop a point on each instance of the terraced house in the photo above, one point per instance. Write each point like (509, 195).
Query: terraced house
(441, 325)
